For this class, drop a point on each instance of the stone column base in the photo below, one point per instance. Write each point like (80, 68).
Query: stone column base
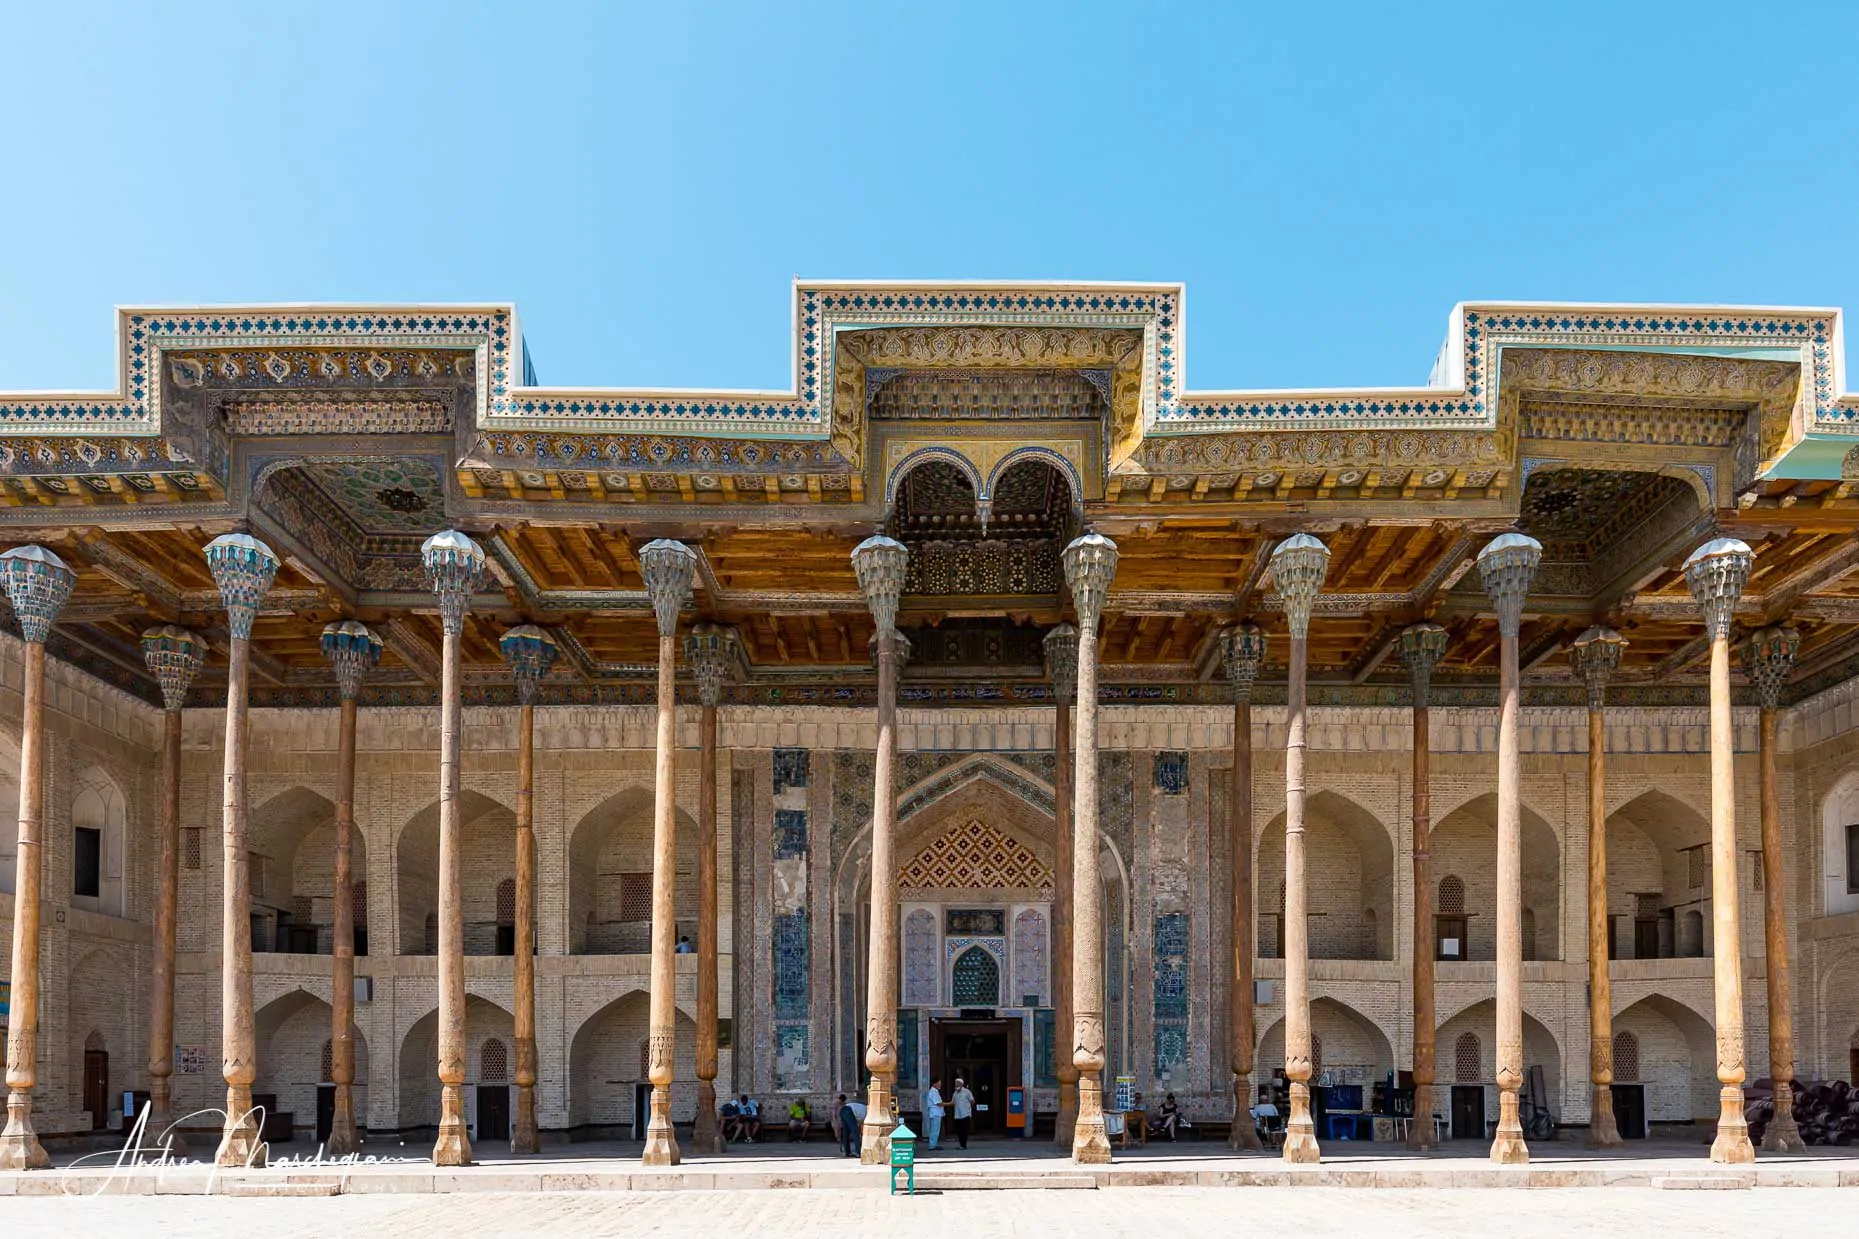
(1301, 1146)
(1509, 1149)
(19, 1145)
(1090, 1139)
(343, 1139)
(1603, 1131)
(875, 1135)
(706, 1133)
(1732, 1146)
(453, 1147)
(239, 1143)
(661, 1138)
(1781, 1135)
(524, 1137)
(1067, 1119)
(1244, 1138)
(1421, 1135)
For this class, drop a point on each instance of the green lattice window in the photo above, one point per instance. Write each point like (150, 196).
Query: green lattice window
(977, 979)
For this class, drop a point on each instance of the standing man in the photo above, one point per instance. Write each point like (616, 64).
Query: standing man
(933, 1112)
(964, 1111)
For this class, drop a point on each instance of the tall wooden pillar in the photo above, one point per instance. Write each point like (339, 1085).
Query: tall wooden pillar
(354, 651)
(455, 566)
(1506, 566)
(1242, 649)
(530, 652)
(1090, 565)
(1769, 657)
(668, 568)
(1716, 573)
(173, 655)
(879, 563)
(243, 567)
(38, 584)
(1595, 655)
(710, 652)
(1298, 567)
(1061, 647)
(1420, 647)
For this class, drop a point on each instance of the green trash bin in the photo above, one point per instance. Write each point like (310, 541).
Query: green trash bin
(903, 1158)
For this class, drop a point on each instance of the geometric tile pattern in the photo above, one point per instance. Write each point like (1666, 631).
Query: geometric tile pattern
(1171, 773)
(1029, 957)
(975, 856)
(1171, 991)
(921, 973)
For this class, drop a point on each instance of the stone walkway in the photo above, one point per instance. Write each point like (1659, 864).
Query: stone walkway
(393, 1168)
(1317, 1213)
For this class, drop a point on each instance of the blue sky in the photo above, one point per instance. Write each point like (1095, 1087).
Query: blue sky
(644, 181)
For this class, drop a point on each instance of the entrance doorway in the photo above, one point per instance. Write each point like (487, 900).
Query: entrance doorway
(493, 1112)
(984, 1053)
(97, 1083)
(1468, 1112)
(325, 1111)
(1630, 1110)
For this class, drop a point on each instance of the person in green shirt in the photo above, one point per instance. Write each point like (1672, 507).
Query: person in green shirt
(799, 1120)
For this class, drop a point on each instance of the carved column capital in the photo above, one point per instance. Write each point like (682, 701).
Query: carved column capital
(1061, 646)
(1298, 567)
(1716, 573)
(454, 566)
(710, 652)
(879, 563)
(1506, 566)
(1420, 647)
(1090, 566)
(529, 652)
(1768, 659)
(38, 584)
(243, 568)
(669, 567)
(1242, 649)
(1595, 656)
(173, 655)
(353, 650)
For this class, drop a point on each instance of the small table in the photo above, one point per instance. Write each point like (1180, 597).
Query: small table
(1137, 1120)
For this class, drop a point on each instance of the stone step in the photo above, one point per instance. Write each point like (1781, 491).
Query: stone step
(1703, 1183)
(1004, 1181)
(269, 1187)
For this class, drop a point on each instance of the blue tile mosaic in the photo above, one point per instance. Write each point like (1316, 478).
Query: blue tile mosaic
(907, 1049)
(1171, 991)
(790, 834)
(1171, 773)
(791, 768)
(791, 952)
(1045, 1048)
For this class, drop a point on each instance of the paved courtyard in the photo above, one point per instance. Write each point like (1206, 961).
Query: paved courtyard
(1104, 1214)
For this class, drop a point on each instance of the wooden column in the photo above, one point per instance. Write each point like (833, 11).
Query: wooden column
(1298, 566)
(1420, 647)
(1061, 647)
(1716, 573)
(173, 655)
(1242, 649)
(879, 563)
(455, 565)
(1506, 566)
(1769, 657)
(710, 651)
(530, 652)
(1090, 565)
(668, 568)
(38, 584)
(1595, 655)
(243, 567)
(354, 651)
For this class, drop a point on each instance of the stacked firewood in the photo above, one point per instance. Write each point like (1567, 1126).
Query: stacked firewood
(1825, 1112)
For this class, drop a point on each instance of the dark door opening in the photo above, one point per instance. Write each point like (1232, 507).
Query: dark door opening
(1449, 935)
(325, 1111)
(97, 1088)
(1630, 1110)
(493, 1112)
(642, 1107)
(1646, 937)
(1468, 1112)
(985, 1054)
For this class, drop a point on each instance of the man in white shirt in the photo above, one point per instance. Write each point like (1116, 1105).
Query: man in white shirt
(932, 1113)
(964, 1111)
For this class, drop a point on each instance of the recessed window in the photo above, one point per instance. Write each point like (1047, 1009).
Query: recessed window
(87, 867)
(1852, 859)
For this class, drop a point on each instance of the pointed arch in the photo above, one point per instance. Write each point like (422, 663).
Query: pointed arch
(1681, 1042)
(419, 1058)
(488, 853)
(295, 1055)
(99, 818)
(1350, 870)
(1352, 1044)
(608, 1054)
(1464, 844)
(610, 875)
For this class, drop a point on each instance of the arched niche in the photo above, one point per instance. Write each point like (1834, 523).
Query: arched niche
(292, 851)
(293, 1043)
(1839, 818)
(1355, 1049)
(609, 1056)
(1349, 867)
(1658, 878)
(1540, 1049)
(99, 817)
(1464, 844)
(488, 857)
(1677, 1059)
(419, 1061)
(610, 877)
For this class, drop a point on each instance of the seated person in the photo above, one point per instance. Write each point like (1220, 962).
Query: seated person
(1169, 1117)
(1265, 1114)
(731, 1114)
(751, 1118)
(799, 1120)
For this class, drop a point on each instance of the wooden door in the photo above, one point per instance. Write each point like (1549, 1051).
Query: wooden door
(1630, 1110)
(1646, 938)
(1449, 937)
(97, 1088)
(493, 1112)
(325, 1111)
(1468, 1112)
